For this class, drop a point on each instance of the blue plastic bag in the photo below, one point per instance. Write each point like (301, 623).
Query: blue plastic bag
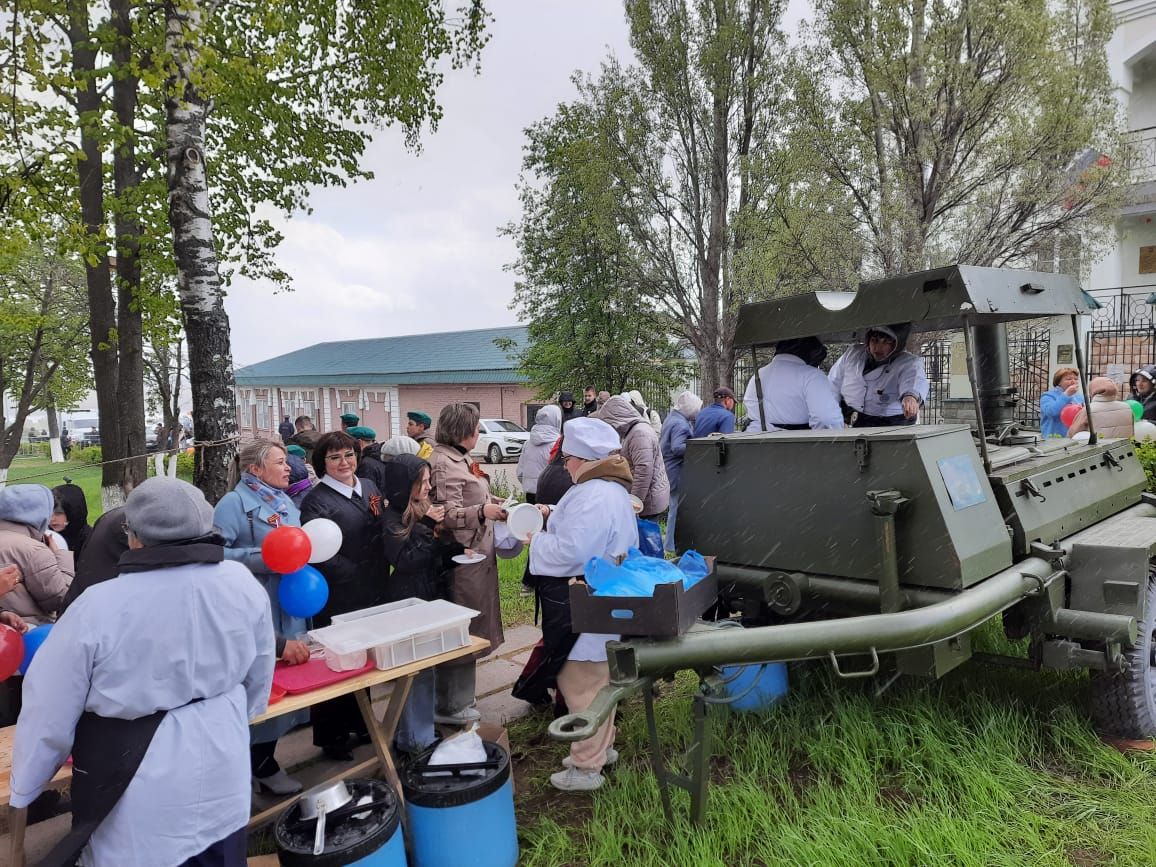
(693, 564)
(650, 539)
(637, 576)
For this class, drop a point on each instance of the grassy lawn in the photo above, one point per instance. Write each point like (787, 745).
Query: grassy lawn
(44, 472)
(990, 766)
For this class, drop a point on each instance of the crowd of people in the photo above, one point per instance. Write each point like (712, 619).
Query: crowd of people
(179, 650)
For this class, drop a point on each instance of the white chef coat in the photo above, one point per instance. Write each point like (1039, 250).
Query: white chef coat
(793, 393)
(144, 642)
(881, 391)
(593, 519)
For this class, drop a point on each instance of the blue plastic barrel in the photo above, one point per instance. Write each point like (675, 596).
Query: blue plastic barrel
(757, 686)
(461, 815)
(370, 838)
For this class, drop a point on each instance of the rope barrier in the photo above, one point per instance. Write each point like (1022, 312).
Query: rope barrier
(67, 465)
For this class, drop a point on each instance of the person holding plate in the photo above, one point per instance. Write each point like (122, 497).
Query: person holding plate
(463, 489)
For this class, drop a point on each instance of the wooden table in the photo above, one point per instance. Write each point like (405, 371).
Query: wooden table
(381, 734)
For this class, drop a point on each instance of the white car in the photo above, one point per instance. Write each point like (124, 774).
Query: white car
(499, 439)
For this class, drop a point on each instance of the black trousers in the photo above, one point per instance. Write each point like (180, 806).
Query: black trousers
(229, 852)
(557, 641)
(336, 719)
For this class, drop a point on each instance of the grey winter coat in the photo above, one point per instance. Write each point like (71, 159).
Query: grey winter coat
(676, 430)
(641, 449)
(536, 452)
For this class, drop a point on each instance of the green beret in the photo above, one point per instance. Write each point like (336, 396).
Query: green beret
(350, 418)
(296, 450)
(419, 418)
(362, 433)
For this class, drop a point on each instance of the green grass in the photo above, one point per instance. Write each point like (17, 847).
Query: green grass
(989, 766)
(44, 472)
(516, 609)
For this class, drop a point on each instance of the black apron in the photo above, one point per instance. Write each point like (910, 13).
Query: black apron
(558, 639)
(781, 425)
(106, 753)
(862, 419)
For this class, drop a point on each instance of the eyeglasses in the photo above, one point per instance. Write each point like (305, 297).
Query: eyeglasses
(343, 456)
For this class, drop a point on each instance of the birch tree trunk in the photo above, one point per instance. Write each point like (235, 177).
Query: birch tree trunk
(198, 277)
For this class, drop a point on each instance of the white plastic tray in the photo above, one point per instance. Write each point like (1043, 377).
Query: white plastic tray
(408, 631)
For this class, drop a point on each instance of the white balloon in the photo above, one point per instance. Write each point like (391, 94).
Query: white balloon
(1081, 437)
(1145, 431)
(325, 536)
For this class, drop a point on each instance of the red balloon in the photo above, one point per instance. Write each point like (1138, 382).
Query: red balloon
(286, 549)
(1068, 413)
(11, 651)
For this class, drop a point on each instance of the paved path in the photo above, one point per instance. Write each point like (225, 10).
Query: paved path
(295, 751)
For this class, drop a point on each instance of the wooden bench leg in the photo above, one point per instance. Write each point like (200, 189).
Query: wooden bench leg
(17, 821)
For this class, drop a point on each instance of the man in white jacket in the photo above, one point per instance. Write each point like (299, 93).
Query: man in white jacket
(879, 381)
(796, 394)
(150, 680)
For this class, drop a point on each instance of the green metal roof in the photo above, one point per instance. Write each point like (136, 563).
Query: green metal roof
(413, 359)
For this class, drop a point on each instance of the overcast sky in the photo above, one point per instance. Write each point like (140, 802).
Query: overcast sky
(416, 250)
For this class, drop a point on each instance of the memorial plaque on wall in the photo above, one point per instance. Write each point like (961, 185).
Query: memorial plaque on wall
(1148, 260)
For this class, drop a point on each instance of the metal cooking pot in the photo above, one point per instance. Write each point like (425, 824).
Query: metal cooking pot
(316, 803)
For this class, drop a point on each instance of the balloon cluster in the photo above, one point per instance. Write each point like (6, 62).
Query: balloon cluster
(1068, 413)
(303, 591)
(1136, 407)
(16, 650)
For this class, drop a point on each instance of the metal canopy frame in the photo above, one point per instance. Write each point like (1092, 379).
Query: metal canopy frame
(936, 300)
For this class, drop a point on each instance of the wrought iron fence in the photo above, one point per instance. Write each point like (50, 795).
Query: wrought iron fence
(1142, 149)
(1122, 307)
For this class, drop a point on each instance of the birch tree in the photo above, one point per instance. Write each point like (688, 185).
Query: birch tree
(292, 94)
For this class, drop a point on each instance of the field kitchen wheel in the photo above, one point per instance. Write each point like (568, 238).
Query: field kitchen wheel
(1124, 702)
(494, 455)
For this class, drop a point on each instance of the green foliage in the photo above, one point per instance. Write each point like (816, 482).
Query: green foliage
(87, 455)
(185, 465)
(961, 131)
(1146, 452)
(43, 327)
(588, 318)
(296, 89)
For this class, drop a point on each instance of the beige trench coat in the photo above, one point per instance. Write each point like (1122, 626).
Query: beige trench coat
(454, 485)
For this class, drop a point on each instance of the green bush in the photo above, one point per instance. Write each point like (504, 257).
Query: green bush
(88, 455)
(44, 449)
(185, 466)
(1146, 452)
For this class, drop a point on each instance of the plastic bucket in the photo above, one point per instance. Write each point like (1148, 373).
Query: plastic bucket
(459, 817)
(754, 687)
(372, 838)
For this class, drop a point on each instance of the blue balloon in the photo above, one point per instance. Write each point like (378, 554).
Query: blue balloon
(33, 638)
(303, 593)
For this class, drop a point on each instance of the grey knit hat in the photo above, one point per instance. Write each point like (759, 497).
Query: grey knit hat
(30, 505)
(161, 510)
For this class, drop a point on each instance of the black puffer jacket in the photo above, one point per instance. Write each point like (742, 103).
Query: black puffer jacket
(370, 466)
(355, 574)
(420, 560)
(75, 507)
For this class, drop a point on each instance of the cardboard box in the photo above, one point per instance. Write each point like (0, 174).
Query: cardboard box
(497, 734)
(671, 611)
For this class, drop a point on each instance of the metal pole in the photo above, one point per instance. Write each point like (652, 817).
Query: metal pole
(1083, 378)
(758, 389)
(633, 663)
(969, 343)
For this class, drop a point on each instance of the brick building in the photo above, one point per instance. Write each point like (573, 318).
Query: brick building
(383, 378)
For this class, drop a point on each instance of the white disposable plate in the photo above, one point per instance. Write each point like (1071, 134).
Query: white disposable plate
(636, 504)
(466, 559)
(522, 520)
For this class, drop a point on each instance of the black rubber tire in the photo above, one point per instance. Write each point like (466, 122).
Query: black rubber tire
(494, 454)
(1124, 702)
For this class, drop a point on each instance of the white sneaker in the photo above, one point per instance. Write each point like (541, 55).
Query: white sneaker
(279, 783)
(465, 716)
(577, 780)
(611, 758)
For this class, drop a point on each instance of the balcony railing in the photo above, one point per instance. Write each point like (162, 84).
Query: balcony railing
(1142, 150)
(1123, 307)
